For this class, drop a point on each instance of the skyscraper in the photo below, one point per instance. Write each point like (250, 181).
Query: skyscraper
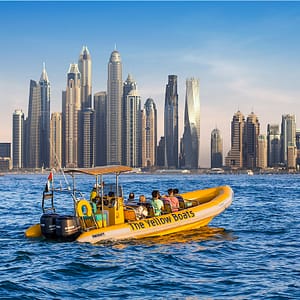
(86, 115)
(262, 152)
(33, 125)
(288, 136)
(70, 111)
(171, 123)
(56, 140)
(87, 143)
(234, 159)
(100, 103)
(45, 119)
(251, 133)
(114, 109)
(191, 134)
(273, 140)
(149, 133)
(18, 139)
(216, 149)
(85, 69)
(131, 124)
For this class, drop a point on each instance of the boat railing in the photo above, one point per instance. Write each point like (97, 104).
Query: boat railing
(48, 196)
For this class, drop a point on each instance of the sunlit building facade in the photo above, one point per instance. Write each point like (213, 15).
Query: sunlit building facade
(56, 140)
(131, 124)
(234, 158)
(18, 139)
(190, 156)
(70, 112)
(149, 134)
(114, 110)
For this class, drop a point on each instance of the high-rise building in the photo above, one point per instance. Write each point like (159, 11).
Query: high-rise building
(100, 103)
(291, 157)
(191, 134)
(85, 69)
(234, 159)
(5, 156)
(171, 123)
(273, 140)
(45, 119)
(18, 139)
(262, 161)
(288, 136)
(216, 149)
(298, 147)
(56, 140)
(70, 113)
(114, 109)
(131, 126)
(251, 133)
(38, 123)
(33, 125)
(160, 158)
(149, 133)
(87, 143)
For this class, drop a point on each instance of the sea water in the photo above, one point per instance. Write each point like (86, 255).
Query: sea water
(250, 251)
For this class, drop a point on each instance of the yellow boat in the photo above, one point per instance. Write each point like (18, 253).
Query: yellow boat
(109, 218)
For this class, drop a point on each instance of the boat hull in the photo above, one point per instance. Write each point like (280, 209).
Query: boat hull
(191, 218)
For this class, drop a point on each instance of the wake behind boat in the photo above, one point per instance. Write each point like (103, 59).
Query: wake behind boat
(108, 218)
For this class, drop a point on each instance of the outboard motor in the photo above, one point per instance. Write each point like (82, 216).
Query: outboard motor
(48, 225)
(67, 228)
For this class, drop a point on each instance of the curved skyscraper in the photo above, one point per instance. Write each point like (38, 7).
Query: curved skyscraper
(114, 109)
(190, 155)
(171, 123)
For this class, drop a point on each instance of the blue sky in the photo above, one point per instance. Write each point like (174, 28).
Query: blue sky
(245, 54)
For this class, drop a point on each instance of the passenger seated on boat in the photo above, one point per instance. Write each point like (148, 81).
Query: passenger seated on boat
(180, 199)
(130, 200)
(141, 212)
(172, 200)
(157, 203)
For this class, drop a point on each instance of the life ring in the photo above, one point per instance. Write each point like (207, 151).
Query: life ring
(84, 212)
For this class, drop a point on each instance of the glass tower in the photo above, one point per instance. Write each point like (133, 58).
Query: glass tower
(114, 109)
(191, 134)
(171, 123)
(45, 119)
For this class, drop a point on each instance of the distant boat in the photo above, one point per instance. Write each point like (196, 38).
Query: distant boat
(216, 171)
(250, 172)
(109, 218)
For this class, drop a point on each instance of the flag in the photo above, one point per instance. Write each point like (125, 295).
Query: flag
(49, 182)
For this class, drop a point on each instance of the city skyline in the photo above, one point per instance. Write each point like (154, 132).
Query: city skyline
(244, 54)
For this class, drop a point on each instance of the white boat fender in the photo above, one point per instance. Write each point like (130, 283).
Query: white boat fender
(84, 208)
